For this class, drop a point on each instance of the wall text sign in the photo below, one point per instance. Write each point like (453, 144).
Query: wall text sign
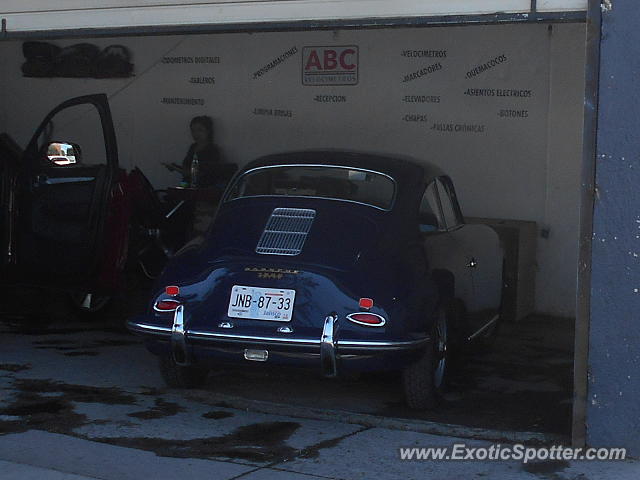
(334, 65)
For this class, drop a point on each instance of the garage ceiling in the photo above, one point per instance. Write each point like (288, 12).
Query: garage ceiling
(53, 15)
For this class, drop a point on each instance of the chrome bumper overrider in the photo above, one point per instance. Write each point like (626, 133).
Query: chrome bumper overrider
(328, 345)
(328, 350)
(179, 338)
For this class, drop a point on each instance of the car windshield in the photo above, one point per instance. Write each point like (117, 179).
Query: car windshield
(319, 181)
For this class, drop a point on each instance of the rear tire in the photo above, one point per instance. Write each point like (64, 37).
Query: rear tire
(425, 379)
(177, 376)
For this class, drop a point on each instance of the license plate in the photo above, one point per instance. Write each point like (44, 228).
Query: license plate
(258, 303)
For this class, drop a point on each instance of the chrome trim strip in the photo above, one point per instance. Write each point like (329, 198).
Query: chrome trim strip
(155, 305)
(233, 337)
(292, 341)
(311, 341)
(351, 319)
(151, 328)
(344, 167)
(281, 165)
(312, 197)
(375, 344)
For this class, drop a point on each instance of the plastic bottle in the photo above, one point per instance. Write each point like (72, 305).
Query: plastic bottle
(195, 165)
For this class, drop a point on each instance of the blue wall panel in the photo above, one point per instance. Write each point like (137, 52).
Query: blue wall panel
(613, 410)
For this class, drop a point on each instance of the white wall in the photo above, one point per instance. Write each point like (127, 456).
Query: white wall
(558, 255)
(523, 168)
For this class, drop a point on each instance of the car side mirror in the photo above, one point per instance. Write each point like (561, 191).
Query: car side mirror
(63, 154)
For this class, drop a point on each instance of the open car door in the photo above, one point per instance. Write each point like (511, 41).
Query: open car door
(67, 180)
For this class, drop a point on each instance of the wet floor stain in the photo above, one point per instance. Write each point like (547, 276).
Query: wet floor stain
(260, 442)
(14, 367)
(545, 468)
(32, 405)
(161, 409)
(34, 408)
(36, 412)
(217, 414)
(76, 393)
(313, 451)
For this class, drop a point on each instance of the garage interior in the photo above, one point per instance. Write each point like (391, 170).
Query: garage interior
(510, 136)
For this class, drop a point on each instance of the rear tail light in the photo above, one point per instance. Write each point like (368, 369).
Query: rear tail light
(367, 319)
(365, 303)
(172, 290)
(166, 305)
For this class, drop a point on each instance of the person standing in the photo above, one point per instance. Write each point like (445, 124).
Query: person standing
(198, 171)
(198, 166)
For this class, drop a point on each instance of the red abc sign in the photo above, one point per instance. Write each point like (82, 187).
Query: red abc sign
(329, 59)
(334, 65)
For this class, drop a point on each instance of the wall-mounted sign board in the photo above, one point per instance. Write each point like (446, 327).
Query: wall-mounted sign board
(23, 16)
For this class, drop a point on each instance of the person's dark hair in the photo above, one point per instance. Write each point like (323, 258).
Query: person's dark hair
(206, 121)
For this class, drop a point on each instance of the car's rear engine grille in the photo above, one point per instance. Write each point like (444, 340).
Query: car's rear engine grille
(286, 231)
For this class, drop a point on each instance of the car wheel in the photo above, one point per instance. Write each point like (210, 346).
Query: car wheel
(89, 303)
(425, 379)
(177, 376)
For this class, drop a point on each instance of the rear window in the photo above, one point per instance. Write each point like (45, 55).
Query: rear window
(317, 181)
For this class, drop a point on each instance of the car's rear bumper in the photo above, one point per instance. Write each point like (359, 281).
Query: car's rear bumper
(328, 352)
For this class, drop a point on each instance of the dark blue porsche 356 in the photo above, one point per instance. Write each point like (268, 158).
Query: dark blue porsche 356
(336, 261)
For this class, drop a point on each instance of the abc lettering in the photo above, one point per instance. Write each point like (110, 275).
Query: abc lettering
(330, 60)
(313, 61)
(343, 62)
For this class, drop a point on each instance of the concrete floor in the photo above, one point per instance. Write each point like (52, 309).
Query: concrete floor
(86, 401)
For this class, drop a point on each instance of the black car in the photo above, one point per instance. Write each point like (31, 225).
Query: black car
(330, 260)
